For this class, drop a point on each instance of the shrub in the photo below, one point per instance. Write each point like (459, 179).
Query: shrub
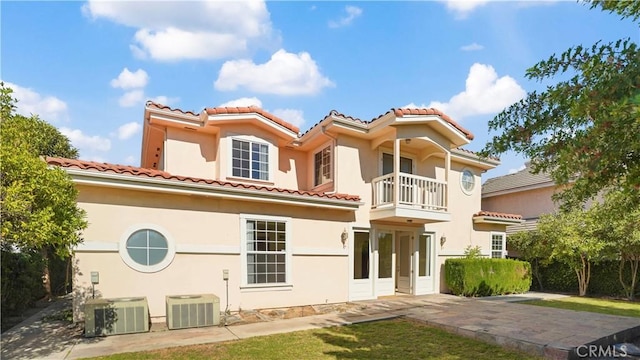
(484, 276)
(21, 281)
(559, 277)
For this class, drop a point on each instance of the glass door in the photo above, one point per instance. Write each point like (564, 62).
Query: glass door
(361, 282)
(424, 254)
(403, 263)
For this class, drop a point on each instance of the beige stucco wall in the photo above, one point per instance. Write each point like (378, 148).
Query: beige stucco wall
(318, 258)
(189, 153)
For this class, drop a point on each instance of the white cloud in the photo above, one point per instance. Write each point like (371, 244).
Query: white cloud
(352, 12)
(86, 142)
(245, 101)
(513, 171)
(48, 108)
(131, 80)
(462, 8)
(165, 100)
(131, 98)
(172, 31)
(472, 47)
(128, 130)
(292, 116)
(485, 93)
(131, 160)
(284, 74)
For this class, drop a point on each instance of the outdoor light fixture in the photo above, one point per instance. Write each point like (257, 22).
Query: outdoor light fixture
(343, 237)
(443, 239)
(407, 141)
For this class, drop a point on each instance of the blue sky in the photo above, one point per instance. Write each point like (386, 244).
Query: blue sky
(89, 67)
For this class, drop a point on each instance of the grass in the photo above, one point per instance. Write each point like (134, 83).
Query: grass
(603, 306)
(392, 339)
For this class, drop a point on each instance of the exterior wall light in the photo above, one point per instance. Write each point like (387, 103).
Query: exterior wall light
(343, 237)
(443, 239)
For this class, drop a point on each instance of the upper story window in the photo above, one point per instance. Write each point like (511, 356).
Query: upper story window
(250, 160)
(322, 166)
(467, 181)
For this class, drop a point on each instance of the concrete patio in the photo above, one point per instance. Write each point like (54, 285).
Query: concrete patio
(546, 332)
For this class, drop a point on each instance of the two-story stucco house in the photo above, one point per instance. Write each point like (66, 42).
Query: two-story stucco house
(348, 210)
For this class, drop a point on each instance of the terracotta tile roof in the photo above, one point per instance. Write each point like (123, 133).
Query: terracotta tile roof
(229, 110)
(494, 214)
(404, 111)
(401, 112)
(151, 173)
(476, 154)
(252, 109)
(152, 104)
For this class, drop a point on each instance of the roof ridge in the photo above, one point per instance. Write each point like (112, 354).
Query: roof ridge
(220, 110)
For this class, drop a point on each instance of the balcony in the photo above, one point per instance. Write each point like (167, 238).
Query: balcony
(417, 199)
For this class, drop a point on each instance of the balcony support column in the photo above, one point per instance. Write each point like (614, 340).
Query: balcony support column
(396, 172)
(447, 171)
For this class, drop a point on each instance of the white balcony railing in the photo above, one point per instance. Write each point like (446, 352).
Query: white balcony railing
(415, 191)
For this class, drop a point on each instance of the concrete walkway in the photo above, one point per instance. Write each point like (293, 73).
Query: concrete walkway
(547, 332)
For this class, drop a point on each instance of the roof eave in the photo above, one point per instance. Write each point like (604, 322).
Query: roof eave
(85, 177)
(495, 220)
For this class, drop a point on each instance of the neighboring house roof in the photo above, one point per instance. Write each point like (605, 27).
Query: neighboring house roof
(518, 181)
(91, 166)
(493, 217)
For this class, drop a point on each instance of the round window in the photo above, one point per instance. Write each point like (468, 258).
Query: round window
(467, 181)
(147, 249)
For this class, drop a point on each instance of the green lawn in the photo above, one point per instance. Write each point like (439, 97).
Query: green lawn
(603, 306)
(393, 339)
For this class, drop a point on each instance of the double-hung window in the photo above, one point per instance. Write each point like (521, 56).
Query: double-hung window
(322, 166)
(498, 246)
(250, 160)
(266, 250)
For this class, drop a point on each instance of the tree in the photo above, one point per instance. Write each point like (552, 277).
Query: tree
(583, 130)
(572, 239)
(37, 203)
(532, 247)
(619, 222)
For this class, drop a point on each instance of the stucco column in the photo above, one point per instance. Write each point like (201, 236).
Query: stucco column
(396, 172)
(447, 167)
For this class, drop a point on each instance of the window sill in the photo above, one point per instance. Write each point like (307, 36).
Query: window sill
(249, 181)
(266, 287)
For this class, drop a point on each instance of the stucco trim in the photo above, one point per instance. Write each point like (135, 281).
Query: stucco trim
(309, 251)
(83, 177)
(97, 246)
(207, 249)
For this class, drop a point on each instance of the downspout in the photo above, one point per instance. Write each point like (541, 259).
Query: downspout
(333, 159)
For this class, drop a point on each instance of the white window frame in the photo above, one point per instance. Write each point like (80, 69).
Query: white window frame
(475, 182)
(126, 258)
(503, 251)
(322, 165)
(243, 251)
(388, 151)
(271, 155)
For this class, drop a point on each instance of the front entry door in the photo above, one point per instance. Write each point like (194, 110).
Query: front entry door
(403, 263)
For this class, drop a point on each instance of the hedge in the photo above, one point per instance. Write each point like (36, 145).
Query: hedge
(486, 276)
(558, 277)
